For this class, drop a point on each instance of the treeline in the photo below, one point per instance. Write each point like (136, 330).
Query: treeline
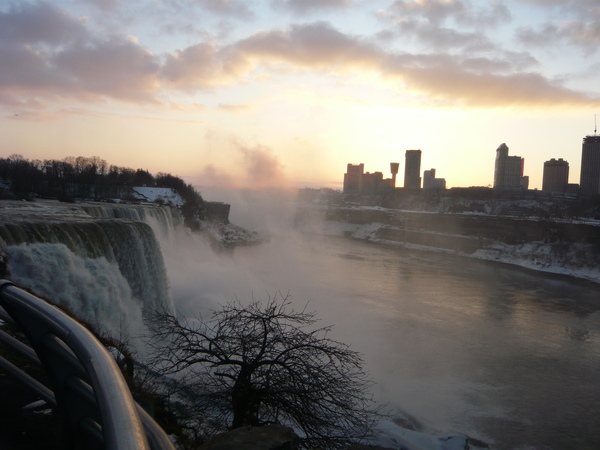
(88, 178)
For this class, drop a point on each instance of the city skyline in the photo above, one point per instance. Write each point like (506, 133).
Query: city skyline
(508, 173)
(281, 94)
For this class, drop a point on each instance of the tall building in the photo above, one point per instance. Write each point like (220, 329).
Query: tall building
(412, 169)
(353, 178)
(556, 176)
(431, 182)
(508, 170)
(357, 181)
(589, 181)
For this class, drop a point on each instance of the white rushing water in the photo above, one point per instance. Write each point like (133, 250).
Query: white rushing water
(109, 272)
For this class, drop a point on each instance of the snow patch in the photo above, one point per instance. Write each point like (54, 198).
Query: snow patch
(154, 194)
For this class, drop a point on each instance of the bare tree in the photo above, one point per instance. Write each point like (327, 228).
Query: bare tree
(268, 363)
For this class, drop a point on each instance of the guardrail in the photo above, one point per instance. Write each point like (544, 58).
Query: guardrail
(87, 385)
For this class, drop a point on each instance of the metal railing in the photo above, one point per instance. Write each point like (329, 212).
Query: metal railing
(87, 386)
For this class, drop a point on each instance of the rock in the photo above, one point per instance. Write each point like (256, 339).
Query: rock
(269, 437)
(367, 447)
(3, 262)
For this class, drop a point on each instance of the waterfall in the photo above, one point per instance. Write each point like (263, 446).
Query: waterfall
(102, 262)
(162, 218)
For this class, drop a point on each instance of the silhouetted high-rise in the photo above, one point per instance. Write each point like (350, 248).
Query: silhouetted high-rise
(353, 178)
(431, 182)
(412, 169)
(589, 181)
(556, 176)
(508, 170)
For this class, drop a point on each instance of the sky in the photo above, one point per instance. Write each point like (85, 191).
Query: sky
(285, 93)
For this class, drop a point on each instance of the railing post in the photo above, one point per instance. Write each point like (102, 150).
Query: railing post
(87, 383)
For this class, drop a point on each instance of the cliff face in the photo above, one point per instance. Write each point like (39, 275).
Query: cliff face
(506, 229)
(570, 247)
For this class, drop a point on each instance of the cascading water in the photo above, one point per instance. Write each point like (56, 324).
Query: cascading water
(103, 263)
(166, 218)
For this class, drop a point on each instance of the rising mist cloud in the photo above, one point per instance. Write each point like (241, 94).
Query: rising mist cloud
(249, 167)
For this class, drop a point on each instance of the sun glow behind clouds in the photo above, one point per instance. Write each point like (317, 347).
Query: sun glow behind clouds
(183, 86)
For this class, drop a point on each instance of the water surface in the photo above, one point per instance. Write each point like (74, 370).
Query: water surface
(506, 356)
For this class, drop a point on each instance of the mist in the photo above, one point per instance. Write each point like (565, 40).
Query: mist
(458, 345)
(323, 276)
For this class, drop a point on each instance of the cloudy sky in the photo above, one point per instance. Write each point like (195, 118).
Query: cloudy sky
(277, 93)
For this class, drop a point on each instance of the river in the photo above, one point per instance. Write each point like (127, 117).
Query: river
(502, 355)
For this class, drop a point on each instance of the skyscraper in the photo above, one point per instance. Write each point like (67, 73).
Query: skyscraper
(431, 182)
(508, 170)
(556, 176)
(589, 181)
(412, 169)
(353, 178)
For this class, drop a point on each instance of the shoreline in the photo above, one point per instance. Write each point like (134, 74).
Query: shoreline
(516, 256)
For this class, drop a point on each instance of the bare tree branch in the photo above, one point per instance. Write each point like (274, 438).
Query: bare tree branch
(267, 363)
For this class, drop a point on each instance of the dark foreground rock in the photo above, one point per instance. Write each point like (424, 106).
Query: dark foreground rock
(269, 437)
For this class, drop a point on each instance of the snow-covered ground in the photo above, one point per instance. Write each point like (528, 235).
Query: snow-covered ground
(153, 194)
(531, 255)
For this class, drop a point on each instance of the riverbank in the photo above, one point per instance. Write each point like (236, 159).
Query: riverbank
(566, 248)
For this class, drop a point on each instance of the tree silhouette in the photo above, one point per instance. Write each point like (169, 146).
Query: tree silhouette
(267, 363)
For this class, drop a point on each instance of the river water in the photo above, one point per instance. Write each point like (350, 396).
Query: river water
(505, 356)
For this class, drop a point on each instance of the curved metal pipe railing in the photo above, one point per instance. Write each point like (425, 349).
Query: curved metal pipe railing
(87, 385)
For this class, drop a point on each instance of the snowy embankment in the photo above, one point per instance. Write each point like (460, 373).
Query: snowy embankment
(535, 255)
(154, 194)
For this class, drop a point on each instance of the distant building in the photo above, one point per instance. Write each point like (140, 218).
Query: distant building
(508, 170)
(394, 167)
(412, 169)
(356, 181)
(556, 176)
(524, 182)
(372, 183)
(589, 181)
(431, 182)
(353, 178)
(573, 189)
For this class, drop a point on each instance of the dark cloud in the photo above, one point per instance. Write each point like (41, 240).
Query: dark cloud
(24, 70)
(62, 59)
(579, 25)
(579, 33)
(302, 7)
(105, 5)
(434, 11)
(583, 7)
(316, 45)
(461, 12)
(116, 67)
(203, 66)
(444, 25)
(228, 8)
(451, 84)
(47, 53)
(32, 23)
(443, 38)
